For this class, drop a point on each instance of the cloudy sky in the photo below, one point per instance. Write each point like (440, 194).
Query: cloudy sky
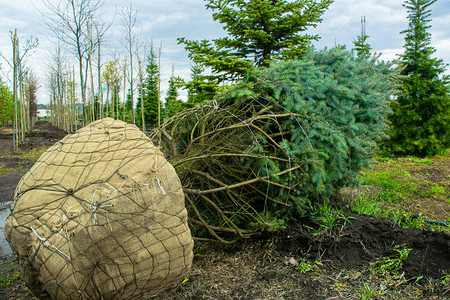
(166, 20)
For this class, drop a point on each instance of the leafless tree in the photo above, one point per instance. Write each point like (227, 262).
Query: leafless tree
(58, 80)
(69, 20)
(31, 87)
(128, 17)
(19, 72)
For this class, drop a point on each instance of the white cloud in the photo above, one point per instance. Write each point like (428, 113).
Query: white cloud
(166, 20)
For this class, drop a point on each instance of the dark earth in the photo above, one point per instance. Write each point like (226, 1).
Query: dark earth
(296, 263)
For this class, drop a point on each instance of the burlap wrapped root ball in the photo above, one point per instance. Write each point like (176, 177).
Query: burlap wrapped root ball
(100, 215)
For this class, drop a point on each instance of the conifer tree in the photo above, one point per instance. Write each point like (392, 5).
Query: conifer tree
(420, 122)
(201, 88)
(149, 95)
(362, 48)
(173, 105)
(283, 138)
(258, 31)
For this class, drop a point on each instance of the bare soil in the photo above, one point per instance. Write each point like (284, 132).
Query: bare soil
(294, 263)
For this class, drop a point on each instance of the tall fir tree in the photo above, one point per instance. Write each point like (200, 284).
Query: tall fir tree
(421, 115)
(128, 106)
(362, 47)
(201, 88)
(150, 91)
(173, 105)
(258, 31)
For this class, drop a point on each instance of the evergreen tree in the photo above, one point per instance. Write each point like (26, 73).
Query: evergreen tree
(128, 106)
(362, 48)
(258, 31)
(173, 105)
(307, 126)
(201, 88)
(150, 95)
(420, 123)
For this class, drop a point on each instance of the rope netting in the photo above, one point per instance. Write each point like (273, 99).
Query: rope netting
(100, 215)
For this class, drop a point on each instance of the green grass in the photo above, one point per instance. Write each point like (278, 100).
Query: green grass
(32, 155)
(328, 217)
(397, 187)
(434, 191)
(376, 206)
(4, 170)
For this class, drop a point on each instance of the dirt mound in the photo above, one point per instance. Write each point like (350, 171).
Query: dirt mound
(43, 134)
(367, 240)
(44, 129)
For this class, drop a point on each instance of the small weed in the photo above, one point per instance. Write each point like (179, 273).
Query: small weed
(31, 155)
(328, 217)
(4, 170)
(422, 161)
(8, 274)
(366, 205)
(372, 205)
(434, 190)
(391, 266)
(446, 279)
(404, 218)
(307, 266)
(369, 292)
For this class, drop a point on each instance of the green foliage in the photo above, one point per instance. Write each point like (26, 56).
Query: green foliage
(173, 105)
(258, 31)
(434, 190)
(391, 265)
(113, 78)
(389, 180)
(128, 114)
(366, 205)
(6, 104)
(306, 266)
(150, 95)
(4, 170)
(328, 218)
(367, 292)
(339, 106)
(376, 205)
(286, 136)
(8, 273)
(201, 88)
(421, 119)
(362, 48)
(446, 278)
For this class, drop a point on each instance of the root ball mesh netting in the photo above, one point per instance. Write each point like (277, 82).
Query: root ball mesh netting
(101, 214)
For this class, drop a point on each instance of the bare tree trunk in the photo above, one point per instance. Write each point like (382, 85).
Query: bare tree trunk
(124, 88)
(141, 82)
(159, 92)
(128, 15)
(68, 20)
(91, 75)
(99, 75)
(15, 43)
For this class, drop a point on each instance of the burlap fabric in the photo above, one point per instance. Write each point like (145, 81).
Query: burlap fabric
(100, 215)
